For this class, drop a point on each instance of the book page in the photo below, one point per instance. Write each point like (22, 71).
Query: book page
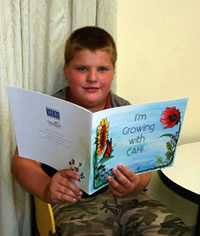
(52, 131)
(141, 136)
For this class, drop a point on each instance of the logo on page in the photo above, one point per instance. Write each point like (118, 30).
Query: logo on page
(52, 113)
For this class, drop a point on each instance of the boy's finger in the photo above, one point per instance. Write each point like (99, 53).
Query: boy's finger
(115, 185)
(122, 180)
(128, 173)
(69, 174)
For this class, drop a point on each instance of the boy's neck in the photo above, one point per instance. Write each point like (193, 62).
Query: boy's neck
(69, 98)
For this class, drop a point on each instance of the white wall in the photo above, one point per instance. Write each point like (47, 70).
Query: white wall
(159, 58)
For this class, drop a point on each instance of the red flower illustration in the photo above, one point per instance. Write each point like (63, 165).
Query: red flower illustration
(170, 117)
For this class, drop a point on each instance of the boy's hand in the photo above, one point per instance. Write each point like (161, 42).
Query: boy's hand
(126, 183)
(61, 187)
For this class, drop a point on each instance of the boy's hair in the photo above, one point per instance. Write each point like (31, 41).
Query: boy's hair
(92, 38)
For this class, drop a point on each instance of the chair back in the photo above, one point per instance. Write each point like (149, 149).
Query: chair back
(44, 217)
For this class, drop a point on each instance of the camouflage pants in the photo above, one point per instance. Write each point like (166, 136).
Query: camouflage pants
(107, 215)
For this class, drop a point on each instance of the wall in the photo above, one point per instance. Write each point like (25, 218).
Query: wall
(159, 53)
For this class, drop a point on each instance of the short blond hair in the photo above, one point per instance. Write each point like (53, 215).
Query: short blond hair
(92, 38)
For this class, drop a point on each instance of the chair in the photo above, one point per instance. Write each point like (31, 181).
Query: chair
(44, 218)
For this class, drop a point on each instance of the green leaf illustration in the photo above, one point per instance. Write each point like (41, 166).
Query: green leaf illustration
(159, 160)
(168, 154)
(169, 146)
(167, 135)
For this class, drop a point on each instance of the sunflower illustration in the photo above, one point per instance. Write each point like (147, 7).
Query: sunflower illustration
(102, 136)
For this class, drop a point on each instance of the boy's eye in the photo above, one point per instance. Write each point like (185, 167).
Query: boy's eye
(102, 69)
(81, 68)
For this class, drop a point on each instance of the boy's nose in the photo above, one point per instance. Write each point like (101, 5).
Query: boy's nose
(92, 76)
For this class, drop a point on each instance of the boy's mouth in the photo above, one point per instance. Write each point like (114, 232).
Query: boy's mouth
(91, 89)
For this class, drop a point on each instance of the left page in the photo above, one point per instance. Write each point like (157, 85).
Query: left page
(52, 131)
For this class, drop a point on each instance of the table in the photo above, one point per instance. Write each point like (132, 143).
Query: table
(183, 177)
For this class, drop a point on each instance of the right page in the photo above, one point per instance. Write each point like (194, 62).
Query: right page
(143, 137)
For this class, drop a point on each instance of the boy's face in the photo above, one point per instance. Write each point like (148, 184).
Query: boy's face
(90, 75)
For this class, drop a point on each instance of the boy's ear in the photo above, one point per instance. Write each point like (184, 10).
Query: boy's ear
(114, 72)
(65, 70)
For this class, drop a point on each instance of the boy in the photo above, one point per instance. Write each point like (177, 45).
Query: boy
(122, 208)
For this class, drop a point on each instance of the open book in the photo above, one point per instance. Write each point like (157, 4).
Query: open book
(143, 137)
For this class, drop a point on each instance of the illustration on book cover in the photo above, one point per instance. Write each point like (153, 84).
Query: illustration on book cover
(105, 149)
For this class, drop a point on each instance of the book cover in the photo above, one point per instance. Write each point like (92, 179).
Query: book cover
(143, 137)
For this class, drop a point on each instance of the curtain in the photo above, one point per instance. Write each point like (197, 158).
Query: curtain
(32, 38)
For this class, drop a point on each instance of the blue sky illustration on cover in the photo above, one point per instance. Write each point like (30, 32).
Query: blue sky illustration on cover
(143, 137)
